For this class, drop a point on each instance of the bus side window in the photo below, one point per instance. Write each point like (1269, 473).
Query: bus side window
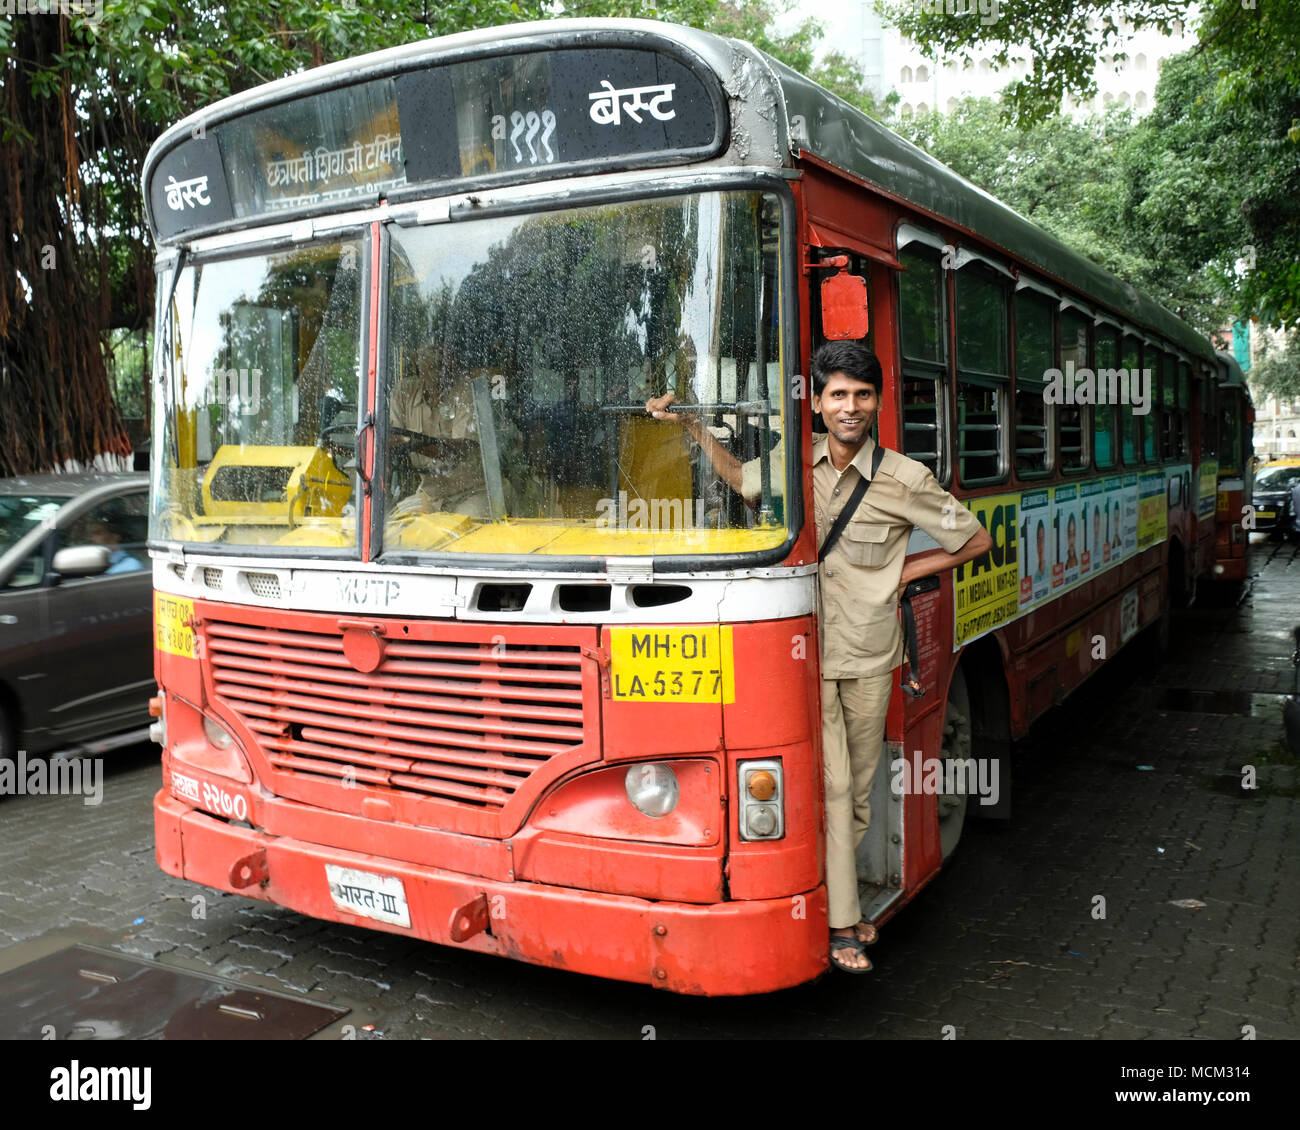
(1230, 457)
(1150, 423)
(1185, 408)
(1035, 354)
(1074, 350)
(1103, 415)
(1130, 424)
(983, 375)
(1209, 422)
(1170, 414)
(923, 333)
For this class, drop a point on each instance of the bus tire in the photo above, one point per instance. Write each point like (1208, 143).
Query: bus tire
(1153, 641)
(1182, 580)
(957, 744)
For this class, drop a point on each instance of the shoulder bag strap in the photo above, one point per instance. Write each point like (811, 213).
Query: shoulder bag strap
(851, 506)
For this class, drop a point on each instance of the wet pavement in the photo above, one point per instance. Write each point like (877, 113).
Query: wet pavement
(1138, 891)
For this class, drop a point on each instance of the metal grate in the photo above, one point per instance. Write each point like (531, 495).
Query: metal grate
(213, 578)
(264, 584)
(465, 721)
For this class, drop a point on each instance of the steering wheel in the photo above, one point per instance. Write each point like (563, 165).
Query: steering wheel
(403, 443)
(339, 442)
(413, 441)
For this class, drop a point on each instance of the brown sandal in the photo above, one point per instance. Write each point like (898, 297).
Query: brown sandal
(841, 943)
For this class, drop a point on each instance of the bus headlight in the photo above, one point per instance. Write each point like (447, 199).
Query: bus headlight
(762, 800)
(217, 734)
(652, 788)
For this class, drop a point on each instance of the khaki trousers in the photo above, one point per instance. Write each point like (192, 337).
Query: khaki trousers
(853, 730)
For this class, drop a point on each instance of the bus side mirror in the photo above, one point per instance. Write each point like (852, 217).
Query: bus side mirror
(844, 304)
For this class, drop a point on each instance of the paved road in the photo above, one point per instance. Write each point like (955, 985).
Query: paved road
(1130, 792)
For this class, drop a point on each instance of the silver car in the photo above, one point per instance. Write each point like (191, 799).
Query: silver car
(76, 620)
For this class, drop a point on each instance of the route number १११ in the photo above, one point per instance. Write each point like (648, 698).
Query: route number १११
(526, 126)
(222, 803)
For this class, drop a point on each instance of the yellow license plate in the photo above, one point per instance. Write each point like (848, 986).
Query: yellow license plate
(672, 665)
(1265, 514)
(172, 620)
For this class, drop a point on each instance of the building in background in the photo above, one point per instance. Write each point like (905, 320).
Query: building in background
(890, 62)
(1277, 421)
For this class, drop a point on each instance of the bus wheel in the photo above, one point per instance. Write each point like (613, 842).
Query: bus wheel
(1182, 581)
(956, 746)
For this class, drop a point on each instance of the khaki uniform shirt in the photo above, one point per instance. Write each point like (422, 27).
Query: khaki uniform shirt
(858, 589)
(449, 483)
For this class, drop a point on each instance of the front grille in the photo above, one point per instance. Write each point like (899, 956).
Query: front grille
(213, 578)
(264, 584)
(464, 720)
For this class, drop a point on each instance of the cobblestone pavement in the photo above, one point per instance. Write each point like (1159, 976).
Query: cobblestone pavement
(1004, 944)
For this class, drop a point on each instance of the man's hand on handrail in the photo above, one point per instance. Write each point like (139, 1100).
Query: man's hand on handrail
(724, 462)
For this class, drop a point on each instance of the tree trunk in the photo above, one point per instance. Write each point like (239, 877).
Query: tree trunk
(57, 405)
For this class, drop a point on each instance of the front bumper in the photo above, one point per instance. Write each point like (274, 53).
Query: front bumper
(723, 949)
(1272, 514)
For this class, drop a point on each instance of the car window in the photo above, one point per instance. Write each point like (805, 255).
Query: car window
(120, 524)
(29, 572)
(1278, 478)
(20, 513)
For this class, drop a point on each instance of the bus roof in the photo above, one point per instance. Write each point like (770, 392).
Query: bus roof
(826, 127)
(1233, 375)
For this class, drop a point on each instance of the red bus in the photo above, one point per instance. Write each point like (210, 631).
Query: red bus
(1230, 421)
(454, 641)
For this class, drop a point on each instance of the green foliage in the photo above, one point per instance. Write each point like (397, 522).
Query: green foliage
(1198, 203)
(1073, 179)
(1215, 187)
(1227, 127)
(1062, 40)
(128, 353)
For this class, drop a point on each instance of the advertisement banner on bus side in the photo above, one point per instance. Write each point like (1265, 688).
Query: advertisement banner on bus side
(1206, 488)
(988, 590)
(1092, 505)
(1050, 540)
(1035, 527)
(1066, 516)
(1152, 519)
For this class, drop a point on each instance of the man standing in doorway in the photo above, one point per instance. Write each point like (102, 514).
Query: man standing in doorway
(861, 578)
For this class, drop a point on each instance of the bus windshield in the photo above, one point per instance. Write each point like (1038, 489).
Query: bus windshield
(259, 367)
(522, 350)
(517, 356)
